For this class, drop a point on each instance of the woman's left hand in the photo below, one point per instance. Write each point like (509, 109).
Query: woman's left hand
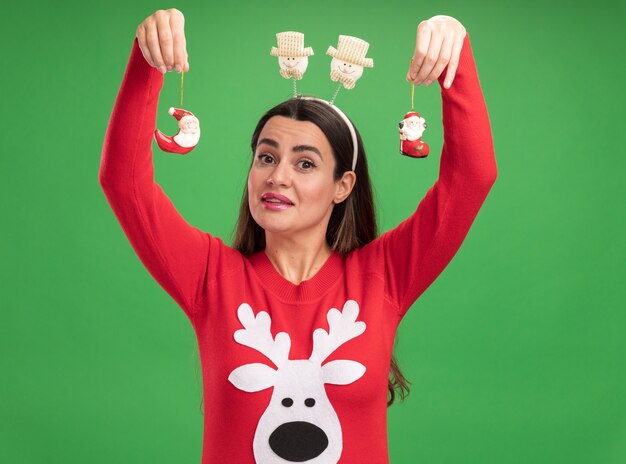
(438, 44)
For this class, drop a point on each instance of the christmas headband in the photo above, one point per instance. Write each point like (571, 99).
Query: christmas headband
(346, 67)
(348, 123)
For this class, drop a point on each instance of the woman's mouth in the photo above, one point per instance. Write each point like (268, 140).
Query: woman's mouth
(275, 201)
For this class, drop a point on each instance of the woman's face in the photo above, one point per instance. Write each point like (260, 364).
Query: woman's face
(291, 190)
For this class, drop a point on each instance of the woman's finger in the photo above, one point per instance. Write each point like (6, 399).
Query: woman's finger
(422, 42)
(143, 46)
(454, 61)
(165, 38)
(434, 48)
(442, 60)
(177, 25)
(154, 46)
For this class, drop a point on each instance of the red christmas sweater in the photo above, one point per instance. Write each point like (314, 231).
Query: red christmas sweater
(295, 373)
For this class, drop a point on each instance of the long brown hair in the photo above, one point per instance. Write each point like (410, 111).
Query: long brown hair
(352, 223)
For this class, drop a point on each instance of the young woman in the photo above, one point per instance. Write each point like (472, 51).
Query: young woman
(295, 322)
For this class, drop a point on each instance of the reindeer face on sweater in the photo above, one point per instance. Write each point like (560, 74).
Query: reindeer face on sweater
(299, 424)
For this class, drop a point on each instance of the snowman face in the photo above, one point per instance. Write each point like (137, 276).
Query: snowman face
(298, 63)
(353, 71)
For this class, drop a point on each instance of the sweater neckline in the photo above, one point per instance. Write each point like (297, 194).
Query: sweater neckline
(323, 280)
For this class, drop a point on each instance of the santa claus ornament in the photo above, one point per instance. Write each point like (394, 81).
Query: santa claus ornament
(188, 133)
(412, 127)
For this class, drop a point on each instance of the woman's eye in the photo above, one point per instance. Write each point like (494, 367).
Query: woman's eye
(265, 158)
(306, 164)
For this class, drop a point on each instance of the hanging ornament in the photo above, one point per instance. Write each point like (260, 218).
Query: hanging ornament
(412, 127)
(188, 133)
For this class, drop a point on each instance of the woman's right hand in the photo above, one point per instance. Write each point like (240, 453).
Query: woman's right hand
(161, 38)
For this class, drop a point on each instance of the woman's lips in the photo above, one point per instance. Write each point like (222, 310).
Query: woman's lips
(276, 202)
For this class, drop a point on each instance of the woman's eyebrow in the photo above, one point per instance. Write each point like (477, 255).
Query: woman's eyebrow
(270, 142)
(301, 148)
(296, 149)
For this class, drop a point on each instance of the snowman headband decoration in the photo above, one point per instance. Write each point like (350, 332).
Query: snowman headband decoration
(346, 68)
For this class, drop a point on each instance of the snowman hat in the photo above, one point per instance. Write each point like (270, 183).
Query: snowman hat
(291, 44)
(351, 50)
(179, 113)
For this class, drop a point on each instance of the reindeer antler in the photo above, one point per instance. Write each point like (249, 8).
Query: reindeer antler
(342, 326)
(257, 335)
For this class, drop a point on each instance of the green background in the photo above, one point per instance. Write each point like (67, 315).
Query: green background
(516, 353)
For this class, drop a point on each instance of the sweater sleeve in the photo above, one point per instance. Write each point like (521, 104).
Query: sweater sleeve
(418, 249)
(174, 252)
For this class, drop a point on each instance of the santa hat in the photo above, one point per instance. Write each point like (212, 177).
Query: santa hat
(411, 114)
(351, 50)
(291, 44)
(179, 113)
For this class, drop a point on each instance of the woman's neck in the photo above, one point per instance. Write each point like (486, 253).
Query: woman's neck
(296, 261)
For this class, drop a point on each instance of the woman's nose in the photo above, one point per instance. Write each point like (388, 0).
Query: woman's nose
(280, 175)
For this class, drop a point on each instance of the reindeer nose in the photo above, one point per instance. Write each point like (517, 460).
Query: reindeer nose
(298, 441)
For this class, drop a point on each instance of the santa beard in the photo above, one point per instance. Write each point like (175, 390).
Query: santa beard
(412, 134)
(187, 139)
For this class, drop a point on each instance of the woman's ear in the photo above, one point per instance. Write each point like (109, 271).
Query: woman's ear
(344, 186)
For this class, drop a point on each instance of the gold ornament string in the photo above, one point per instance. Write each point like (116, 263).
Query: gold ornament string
(412, 88)
(182, 85)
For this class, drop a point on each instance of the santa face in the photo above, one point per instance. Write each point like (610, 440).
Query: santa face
(189, 125)
(298, 63)
(353, 71)
(189, 133)
(413, 127)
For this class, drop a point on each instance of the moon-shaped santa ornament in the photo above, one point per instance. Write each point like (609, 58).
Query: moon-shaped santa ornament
(187, 136)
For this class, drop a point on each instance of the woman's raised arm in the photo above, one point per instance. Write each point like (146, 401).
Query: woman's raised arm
(174, 252)
(418, 250)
